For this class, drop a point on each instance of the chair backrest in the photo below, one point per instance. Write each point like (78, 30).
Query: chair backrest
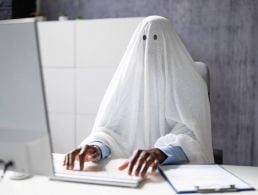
(203, 70)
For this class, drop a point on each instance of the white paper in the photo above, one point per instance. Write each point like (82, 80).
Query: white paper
(188, 177)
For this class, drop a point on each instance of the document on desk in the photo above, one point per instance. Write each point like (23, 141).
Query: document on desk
(202, 178)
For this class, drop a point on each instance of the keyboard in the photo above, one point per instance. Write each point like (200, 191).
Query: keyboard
(114, 178)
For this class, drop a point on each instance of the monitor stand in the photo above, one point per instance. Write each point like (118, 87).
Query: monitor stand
(18, 175)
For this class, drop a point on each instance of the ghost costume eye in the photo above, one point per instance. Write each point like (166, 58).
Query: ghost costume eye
(144, 37)
(155, 37)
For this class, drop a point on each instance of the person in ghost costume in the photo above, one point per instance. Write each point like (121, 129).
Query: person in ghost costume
(156, 108)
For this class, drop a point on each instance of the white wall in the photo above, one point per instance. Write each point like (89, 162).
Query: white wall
(79, 59)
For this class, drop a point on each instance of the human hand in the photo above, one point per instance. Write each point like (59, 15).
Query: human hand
(142, 160)
(83, 154)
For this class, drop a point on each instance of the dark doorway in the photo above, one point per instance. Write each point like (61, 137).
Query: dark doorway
(23, 8)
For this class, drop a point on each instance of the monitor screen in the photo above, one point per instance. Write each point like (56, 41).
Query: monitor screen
(24, 131)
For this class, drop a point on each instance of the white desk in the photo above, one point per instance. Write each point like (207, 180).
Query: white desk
(39, 185)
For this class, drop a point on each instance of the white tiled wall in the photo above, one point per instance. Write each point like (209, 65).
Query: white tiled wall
(57, 43)
(79, 59)
(62, 131)
(59, 85)
(95, 81)
(102, 42)
(84, 124)
(57, 55)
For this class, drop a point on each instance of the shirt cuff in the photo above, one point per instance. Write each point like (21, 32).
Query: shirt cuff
(105, 150)
(175, 155)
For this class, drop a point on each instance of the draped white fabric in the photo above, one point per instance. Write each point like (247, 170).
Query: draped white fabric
(155, 98)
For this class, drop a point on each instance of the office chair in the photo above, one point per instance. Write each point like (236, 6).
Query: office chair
(203, 70)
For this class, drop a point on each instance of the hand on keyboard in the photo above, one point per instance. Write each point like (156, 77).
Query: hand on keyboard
(83, 154)
(142, 160)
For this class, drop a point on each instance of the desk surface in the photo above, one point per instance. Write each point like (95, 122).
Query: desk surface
(154, 184)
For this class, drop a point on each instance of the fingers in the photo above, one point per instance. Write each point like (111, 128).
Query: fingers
(82, 157)
(89, 153)
(141, 161)
(123, 166)
(84, 154)
(148, 163)
(70, 158)
(155, 165)
(133, 161)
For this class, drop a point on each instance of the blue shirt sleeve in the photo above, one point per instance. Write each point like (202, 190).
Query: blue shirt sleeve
(175, 155)
(105, 150)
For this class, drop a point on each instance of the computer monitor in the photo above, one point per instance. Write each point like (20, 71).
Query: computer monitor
(24, 130)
